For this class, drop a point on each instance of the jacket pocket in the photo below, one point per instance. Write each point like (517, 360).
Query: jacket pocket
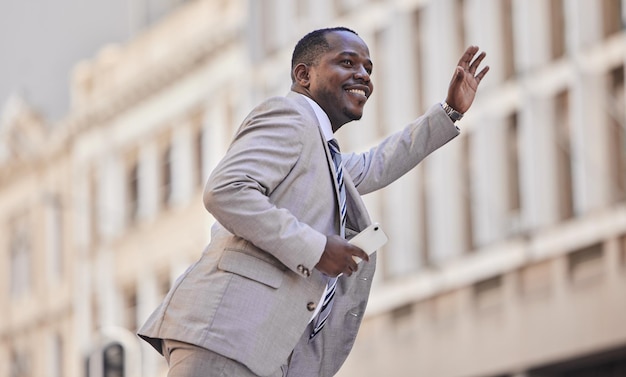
(251, 267)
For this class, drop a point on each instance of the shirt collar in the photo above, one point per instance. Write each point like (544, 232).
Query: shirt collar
(322, 119)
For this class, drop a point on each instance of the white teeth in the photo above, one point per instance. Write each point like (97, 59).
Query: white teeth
(357, 91)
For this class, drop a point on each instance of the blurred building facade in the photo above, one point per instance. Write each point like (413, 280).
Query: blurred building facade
(507, 252)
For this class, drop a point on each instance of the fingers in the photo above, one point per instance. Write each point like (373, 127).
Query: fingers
(338, 257)
(356, 254)
(467, 57)
(476, 63)
(482, 74)
(346, 267)
(470, 63)
(359, 253)
(350, 268)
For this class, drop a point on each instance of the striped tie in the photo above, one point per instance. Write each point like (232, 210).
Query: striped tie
(336, 155)
(327, 304)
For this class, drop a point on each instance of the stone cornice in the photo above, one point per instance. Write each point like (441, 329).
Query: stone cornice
(120, 77)
(152, 80)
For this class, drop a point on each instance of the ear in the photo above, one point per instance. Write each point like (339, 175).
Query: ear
(301, 75)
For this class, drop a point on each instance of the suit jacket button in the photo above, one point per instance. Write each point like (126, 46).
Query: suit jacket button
(303, 270)
(311, 306)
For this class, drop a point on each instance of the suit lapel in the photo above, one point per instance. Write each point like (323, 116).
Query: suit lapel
(357, 218)
(329, 160)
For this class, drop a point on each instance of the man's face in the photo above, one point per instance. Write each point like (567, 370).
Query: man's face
(340, 81)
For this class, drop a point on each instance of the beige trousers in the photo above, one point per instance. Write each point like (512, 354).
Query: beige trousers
(188, 360)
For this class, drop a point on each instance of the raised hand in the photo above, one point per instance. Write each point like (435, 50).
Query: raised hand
(464, 83)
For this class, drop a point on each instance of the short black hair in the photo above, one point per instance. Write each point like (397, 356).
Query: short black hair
(309, 49)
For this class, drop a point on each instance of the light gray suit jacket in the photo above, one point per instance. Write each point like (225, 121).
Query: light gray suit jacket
(274, 195)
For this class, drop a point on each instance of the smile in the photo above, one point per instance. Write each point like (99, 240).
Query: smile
(357, 91)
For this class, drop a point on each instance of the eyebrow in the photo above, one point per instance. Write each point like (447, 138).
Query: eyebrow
(355, 55)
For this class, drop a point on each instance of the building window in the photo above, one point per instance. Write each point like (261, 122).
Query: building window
(133, 192)
(562, 148)
(199, 156)
(557, 24)
(54, 237)
(611, 16)
(197, 119)
(508, 58)
(617, 132)
(488, 294)
(132, 186)
(513, 169)
(586, 265)
(166, 175)
(21, 255)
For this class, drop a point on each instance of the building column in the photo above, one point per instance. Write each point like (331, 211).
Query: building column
(399, 200)
(147, 301)
(491, 222)
(183, 165)
(539, 173)
(590, 161)
(532, 48)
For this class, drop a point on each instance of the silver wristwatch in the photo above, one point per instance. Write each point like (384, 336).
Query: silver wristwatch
(453, 114)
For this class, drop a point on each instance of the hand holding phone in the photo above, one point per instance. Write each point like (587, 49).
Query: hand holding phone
(370, 239)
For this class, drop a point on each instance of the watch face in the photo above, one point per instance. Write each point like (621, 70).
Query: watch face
(453, 114)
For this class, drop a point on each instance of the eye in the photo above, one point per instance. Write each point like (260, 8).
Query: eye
(347, 62)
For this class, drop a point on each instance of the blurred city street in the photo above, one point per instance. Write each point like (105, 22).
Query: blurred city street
(507, 247)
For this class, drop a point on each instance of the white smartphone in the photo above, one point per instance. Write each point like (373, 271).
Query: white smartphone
(370, 239)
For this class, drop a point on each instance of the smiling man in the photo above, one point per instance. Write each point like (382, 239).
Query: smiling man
(277, 291)
(338, 80)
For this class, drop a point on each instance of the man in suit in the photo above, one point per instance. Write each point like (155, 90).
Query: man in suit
(277, 292)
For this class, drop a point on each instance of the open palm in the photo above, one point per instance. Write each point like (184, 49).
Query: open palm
(464, 83)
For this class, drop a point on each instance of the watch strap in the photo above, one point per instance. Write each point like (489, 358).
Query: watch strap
(454, 115)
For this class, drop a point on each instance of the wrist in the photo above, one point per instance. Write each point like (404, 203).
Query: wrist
(453, 114)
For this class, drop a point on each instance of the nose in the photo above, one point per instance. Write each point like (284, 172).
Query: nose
(361, 74)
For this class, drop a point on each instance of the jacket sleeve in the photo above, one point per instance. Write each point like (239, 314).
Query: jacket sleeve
(400, 152)
(237, 194)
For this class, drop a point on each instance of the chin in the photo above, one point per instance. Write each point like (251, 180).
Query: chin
(354, 115)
